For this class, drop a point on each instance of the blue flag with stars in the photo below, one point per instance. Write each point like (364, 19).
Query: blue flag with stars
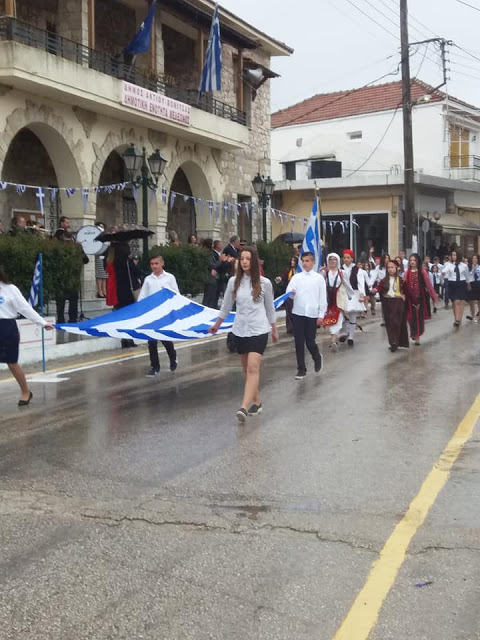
(141, 40)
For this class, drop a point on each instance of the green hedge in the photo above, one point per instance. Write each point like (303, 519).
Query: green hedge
(188, 264)
(276, 257)
(62, 263)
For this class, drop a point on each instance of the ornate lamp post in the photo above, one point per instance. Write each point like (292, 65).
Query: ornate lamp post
(144, 172)
(264, 190)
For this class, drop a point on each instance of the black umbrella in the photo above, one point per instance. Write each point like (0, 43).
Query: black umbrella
(291, 237)
(124, 233)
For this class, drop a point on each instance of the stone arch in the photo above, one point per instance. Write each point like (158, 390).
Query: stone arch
(65, 151)
(115, 144)
(203, 177)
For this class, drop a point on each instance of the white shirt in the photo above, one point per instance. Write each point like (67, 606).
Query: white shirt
(450, 273)
(153, 283)
(252, 317)
(13, 303)
(310, 297)
(347, 271)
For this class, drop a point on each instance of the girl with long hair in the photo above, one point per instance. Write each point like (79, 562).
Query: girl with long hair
(391, 290)
(255, 314)
(474, 294)
(13, 303)
(417, 286)
(458, 276)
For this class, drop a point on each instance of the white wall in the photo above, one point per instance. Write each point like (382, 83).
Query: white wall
(322, 139)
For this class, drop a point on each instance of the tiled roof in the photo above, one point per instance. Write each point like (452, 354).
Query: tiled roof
(341, 104)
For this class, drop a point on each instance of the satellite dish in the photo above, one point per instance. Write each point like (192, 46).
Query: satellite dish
(86, 237)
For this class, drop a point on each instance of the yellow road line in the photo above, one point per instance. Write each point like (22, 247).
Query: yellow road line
(363, 615)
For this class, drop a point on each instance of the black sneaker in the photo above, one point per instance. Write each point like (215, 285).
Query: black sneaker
(342, 338)
(152, 373)
(242, 414)
(319, 364)
(300, 375)
(350, 342)
(173, 365)
(255, 409)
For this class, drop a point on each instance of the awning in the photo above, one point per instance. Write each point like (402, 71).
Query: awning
(459, 224)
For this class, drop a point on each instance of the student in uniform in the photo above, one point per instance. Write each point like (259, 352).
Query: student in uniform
(13, 303)
(157, 280)
(254, 316)
(309, 294)
(458, 276)
(474, 293)
(391, 290)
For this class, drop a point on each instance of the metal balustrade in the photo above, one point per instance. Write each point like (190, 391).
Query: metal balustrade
(116, 66)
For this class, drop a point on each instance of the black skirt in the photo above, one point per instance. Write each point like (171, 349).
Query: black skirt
(252, 344)
(9, 341)
(457, 290)
(474, 293)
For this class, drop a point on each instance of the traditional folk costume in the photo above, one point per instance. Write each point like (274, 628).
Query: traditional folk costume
(356, 279)
(338, 290)
(394, 308)
(416, 286)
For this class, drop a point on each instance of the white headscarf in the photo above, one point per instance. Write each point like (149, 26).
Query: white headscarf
(334, 255)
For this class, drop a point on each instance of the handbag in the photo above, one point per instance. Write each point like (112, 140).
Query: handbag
(135, 292)
(331, 317)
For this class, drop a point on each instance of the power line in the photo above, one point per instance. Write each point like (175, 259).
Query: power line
(372, 19)
(396, 13)
(469, 5)
(341, 97)
(411, 17)
(375, 149)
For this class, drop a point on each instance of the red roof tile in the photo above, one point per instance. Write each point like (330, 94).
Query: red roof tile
(341, 104)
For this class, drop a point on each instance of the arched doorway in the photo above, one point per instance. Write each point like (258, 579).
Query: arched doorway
(116, 207)
(28, 162)
(181, 210)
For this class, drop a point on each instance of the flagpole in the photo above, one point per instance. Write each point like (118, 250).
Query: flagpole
(319, 218)
(40, 260)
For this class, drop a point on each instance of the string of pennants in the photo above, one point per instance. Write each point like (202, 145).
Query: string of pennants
(215, 209)
(41, 193)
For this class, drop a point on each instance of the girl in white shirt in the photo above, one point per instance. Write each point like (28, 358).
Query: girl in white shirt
(13, 303)
(458, 276)
(255, 314)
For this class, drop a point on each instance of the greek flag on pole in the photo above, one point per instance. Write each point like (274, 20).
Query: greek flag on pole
(141, 41)
(165, 315)
(35, 288)
(211, 79)
(312, 241)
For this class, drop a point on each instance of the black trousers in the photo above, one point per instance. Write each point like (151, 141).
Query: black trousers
(305, 331)
(153, 352)
(210, 296)
(72, 297)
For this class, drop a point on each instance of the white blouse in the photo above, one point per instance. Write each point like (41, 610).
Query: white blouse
(13, 303)
(252, 317)
(450, 273)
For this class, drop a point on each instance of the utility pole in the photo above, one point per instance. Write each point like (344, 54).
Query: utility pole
(409, 189)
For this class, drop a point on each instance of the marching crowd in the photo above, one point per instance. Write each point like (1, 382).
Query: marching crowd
(332, 297)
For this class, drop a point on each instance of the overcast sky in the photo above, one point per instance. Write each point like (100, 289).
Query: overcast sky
(338, 47)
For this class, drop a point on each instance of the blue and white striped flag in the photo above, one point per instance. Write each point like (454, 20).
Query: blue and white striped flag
(211, 79)
(165, 315)
(312, 241)
(35, 288)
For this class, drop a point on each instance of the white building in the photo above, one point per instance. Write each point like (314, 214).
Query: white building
(351, 144)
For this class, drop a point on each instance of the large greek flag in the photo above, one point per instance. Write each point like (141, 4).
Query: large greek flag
(211, 79)
(165, 315)
(312, 241)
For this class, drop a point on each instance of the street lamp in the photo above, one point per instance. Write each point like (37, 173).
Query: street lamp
(150, 170)
(264, 190)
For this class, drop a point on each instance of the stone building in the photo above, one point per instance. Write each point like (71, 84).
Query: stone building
(66, 118)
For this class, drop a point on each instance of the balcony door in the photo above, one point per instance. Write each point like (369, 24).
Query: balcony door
(459, 147)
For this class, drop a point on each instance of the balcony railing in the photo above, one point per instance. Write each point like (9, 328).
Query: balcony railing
(114, 66)
(462, 162)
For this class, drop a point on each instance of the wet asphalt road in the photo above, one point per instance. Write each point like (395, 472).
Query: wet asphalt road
(138, 508)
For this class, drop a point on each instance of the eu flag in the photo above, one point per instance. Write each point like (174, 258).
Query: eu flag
(141, 40)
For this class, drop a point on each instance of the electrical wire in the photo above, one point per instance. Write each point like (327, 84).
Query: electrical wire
(341, 97)
(377, 146)
(373, 20)
(411, 17)
(469, 5)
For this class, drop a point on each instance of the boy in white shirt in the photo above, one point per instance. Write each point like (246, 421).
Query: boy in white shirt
(157, 280)
(309, 293)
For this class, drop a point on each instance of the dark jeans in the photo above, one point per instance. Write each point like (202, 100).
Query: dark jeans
(72, 297)
(305, 330)
(210, 295)
(153, 351)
